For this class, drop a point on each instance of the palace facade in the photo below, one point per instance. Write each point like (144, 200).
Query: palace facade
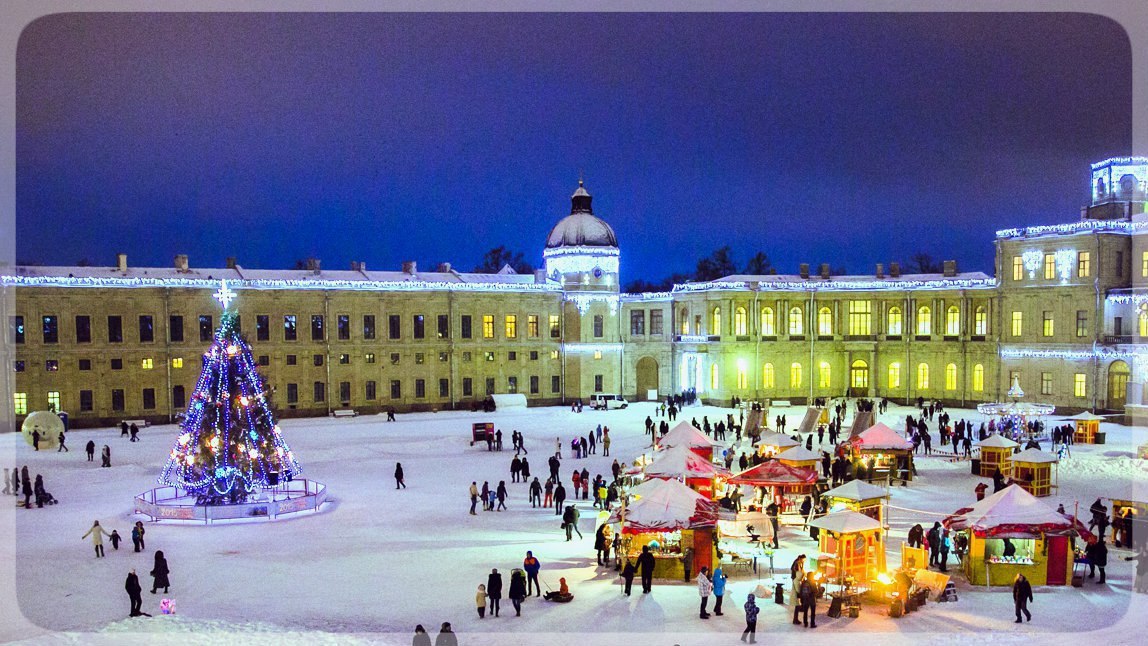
(1066, 313)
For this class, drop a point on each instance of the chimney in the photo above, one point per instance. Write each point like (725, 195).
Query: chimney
(313, 265)
(358, 265)
(410, 267)
(895, 269)
(181, 262)
(880, 270)
(825, 270)
(950, 268)
(444, 267)
(231, 261)
(122, 262)
(803, 269)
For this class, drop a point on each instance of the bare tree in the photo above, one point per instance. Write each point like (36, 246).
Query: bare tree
(494, 260)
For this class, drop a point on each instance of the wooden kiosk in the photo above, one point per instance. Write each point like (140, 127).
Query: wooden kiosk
(860, 497)
(1087, 426)
(883, 453)
(674, 521)
(852, 549)
(995, 452)
(772, 443)
(1032, 469)
(800, 457)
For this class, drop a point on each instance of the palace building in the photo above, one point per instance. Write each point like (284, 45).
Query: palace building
(1066, 313)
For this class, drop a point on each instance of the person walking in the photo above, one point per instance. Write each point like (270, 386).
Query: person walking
(135, 596)
(485, 496)
(90, 447)
(36, 440)
(705, 587)
(106, 457)
(115, 538)
(559, 498)
(123, 429)
(1021, 597)
(480, 600)
(807, 599)
(1097, 553)
(137, 538)
(515, 468)
(63, 447)
(135, 433)
(751, 611)
(494, 590)
(628, 576)
(646, 568)
(719, 589)
(548, 499)
(606, 446)
(500, 493)
(421, 637)
(140, 527)
(473, 497)
(26, 488)
(399, 476)
(535, 493)
(771, 512)
(934, 540)
(97, 533)
(159, 573)
(7, 483)
(446, 636)
(532, 566)
(517, 592)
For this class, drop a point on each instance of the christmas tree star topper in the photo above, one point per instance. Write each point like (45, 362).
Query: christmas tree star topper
(224, 295)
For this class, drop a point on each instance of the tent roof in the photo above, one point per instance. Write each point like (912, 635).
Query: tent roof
(856, 490)
(779, 440)
(1035, 456)
(667, 506)
(1085, 416)
(998, 441)
(680, 462)
(686, 434)
(1011, 511)
(798, 454)
(772, 473)
(846, 522)
(880, 436)
(644, 487)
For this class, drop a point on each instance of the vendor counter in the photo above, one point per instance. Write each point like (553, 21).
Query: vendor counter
(666, 566)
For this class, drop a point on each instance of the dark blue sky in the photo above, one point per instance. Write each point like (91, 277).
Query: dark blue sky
(842, 138)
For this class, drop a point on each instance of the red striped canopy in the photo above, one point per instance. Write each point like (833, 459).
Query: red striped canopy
(775, 474)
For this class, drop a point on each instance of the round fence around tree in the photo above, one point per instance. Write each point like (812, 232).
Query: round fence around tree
(288, 499)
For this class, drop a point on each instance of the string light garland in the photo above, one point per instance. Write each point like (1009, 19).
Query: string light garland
(263, 283)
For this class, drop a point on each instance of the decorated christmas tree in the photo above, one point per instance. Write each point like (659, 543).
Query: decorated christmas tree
(230, 445)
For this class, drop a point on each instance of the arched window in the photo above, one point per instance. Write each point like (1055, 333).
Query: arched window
(825, 322)
(768, 325)
(894, 326)
(795, 375)
(685, 317)
(714, 377)
(1142, 319)
(824, 375)
(796, 325)
(922, 376)
(981, 322)
(859, 374)
(715, 322)
(740, 321)
(742, 375)
(953, 321)
(924, 321)
(951, 376)
(894, 375)
(978, 378)
(767, 378)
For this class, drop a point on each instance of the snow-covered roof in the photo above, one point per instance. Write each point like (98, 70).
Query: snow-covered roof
(687, 435)
(780, 440)
(846, 521)
(997, 441)
(867, 282)
(856, 490)
(581, 230)
(680, 462)
(880, 436)
(798, 454)
(1033, 456)
(1084, 417)
(772, 473)
(1012, 509)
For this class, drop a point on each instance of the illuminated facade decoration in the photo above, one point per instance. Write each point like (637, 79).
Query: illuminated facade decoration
(1065, 261)
(1032, 260)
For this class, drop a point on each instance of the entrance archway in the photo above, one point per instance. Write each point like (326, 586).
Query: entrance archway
(1118, 374)
(859, 379)
(647, 377)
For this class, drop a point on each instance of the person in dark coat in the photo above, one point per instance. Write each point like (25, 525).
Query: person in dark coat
(771, 511)
(628, 575)
(132, 585)
(916, 536)
(998, 480)
(421, 637)
(525, 469)
(494, 590)
(36, 440)
(399, 476)
(140, 527)
(807, 598)
(601, 546)
(585, 484)
(517, 591)
(63, 447)
(27, 490)
(934, 537)
(500, 493)
(123, 429)
(106, 457)
(646, 568)
(135, 433)
(535, 493)
(90, 447)
(1021, 596)
(115, 538)
(1097, 553)
(159, 573)
(559, 498)
(446, 636)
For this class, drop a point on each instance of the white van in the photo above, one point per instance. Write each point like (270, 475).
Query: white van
(600, 401)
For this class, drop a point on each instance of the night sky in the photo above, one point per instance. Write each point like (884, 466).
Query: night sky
(843, 138)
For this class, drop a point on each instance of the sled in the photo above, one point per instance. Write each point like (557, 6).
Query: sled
(558, 597)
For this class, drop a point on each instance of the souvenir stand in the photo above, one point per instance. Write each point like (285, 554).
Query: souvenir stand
(790, 484)
(1087, 426)
(1135, 530)
(771, 443)
(687, 435)
(1032, 469)
(682, 463)
(860, 497)
(800, 457)
(1040, 536)
(671, 519)
(884, 454)
(852, 550)
(995, 452)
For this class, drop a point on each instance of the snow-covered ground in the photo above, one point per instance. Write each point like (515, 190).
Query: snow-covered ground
(377, 561)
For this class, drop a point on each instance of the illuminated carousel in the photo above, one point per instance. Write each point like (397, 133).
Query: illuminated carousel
(1013, 416)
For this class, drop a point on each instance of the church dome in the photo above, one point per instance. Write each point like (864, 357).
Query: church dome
(581, 228)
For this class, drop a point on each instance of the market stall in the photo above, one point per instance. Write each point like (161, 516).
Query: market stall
(688, 435)
(789, 484)
(852, 549)
(1032, 469)
(771, 443)
(881, 453)
(1087, 428)
(860, 497)
(682, 463)
(800, 457)
(995, 451)
(1128, 523)
(1013, 532)
(676, 523)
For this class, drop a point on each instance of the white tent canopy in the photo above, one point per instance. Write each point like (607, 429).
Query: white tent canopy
(880, 436)
(1084, 417)
(680, 462)
(687, 435)
(846, 522)
(668, 505)
(856, 490)
(996, 440)
(798, 454)
(1033, 455)
(1010, 506)
(780, 440)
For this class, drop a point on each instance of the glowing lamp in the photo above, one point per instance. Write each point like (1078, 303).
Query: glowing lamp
(185, 438)
(885, 579)
(254, 453)
(232, 350)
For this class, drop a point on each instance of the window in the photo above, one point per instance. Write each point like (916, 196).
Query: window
(86, 364)
(343, 327)
(418, 320)
(51, 330)
(922, 376)
(978, 378)
(344, 359)
(1017, 268)
(924, 321)
(118, 400)
(206, 327)
(513, 356)
(147, 329)
(795, 375)
(52, 365)
(742, 377)
(345, 392)
(825, 322)
(796, 327)
(54, 400)
(395, 358)
(443, 331)
(368, 326)
(637, 323)
(467, 387)
(489, 356)
(369, 357)
(466, 356)
(490, 385)
(262, 327)
(465, 325)
(292, 393)
(487, 326)
(980, 321)
(597, 383)
(370, 391)
(264, 360)
(20, 403)
(532, 326)
(1120, 264)
(685, 319)
(740, 322)
(512, 385)
(83, 329)
(1017, 323)
(1080, 385)
(511, 326)
(290, 332)
(86, 403)
(115, 329)
(117, 364)
(396, 389)
(1046, 383)
(714, 376)
(444, 357)
(317, 328)
(894, 375)
(317, 359)
(18, 366)
(175, 328)
(420, 358)
(444, 388)
(715, 321)
(895, 319)
(16, 329)
(534, 355)
(1049, 266)
(767, 376)
(320, 392)
(394, 326)
(860, 318)
(953, 321)
(554, 354)
(1142, 320)
(824, 375)
(1143, 264)
(768, 323)
(555, 384)
(951, 376)
(147, 364)
(656, 322)
(291, 360)
(1081, 323)
(533, 384)
(420, 388)
(555, 329)
(149, 398)
(1083, 264)
(1047, 324)
(599, 326)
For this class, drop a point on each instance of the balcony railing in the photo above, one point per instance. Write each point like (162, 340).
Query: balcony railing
(1123, 338)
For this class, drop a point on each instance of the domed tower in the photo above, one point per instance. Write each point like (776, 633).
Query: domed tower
(581, 250)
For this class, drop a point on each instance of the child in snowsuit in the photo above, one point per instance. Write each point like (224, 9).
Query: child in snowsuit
(751, 611)
(480, 600)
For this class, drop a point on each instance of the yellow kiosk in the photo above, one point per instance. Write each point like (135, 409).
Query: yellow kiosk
(772, 443)
(882, 453)
(1032, 469)
(676, 522)
(859, 496)
(800, 457)
(995, 451)
(852, 549)
(1087, 426)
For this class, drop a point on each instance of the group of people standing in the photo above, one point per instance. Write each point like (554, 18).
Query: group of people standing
(20, 484)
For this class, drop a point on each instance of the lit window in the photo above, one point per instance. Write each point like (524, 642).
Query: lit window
(714, 376)
(1144, 264)
(490, 356)
(978, 378)
(795, 375)
(685, 321)
(740, 322)
(597, 354)
(53, 400)
(894, 327)
(825, 322)
(555, 331)
(894, 375)
(860, 318)
(768, 325)
(1017, 323)
(953, 321)
(1017, 268)
(824, 375)
(715, 323)
(922, 376)
(859, 374)
(147, 364)
(1049, 266)
(1046, 383)
(553, 354)
(924, 321)
(1080, 384)
(767, 377)
(369, 357)
(532, 325)
(177, 362)
(1082, 323)
(951, 376)
(487, 326)
(1083, 264)
(1047, 325)
(742, 376)
(796, 325)
(981, 322)
(20, 403)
